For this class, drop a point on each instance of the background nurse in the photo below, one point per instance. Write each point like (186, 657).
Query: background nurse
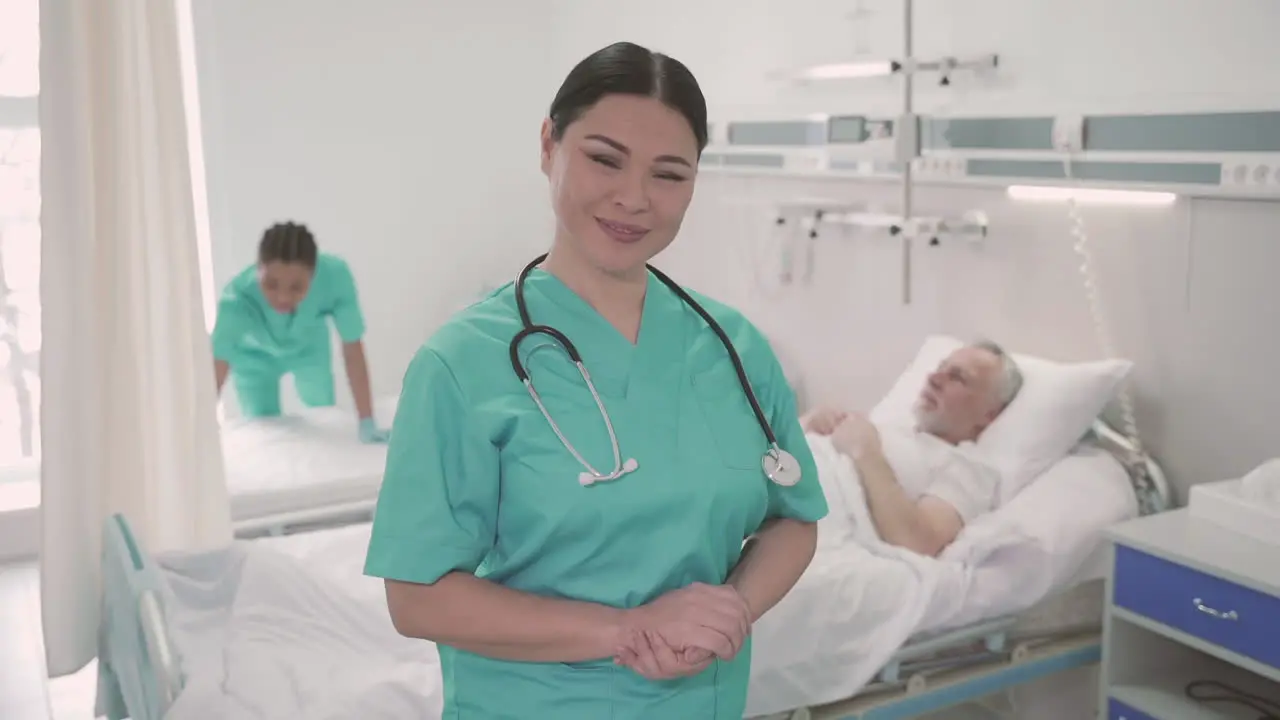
(273, 319)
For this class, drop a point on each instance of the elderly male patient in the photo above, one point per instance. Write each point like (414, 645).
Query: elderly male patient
(923, 484)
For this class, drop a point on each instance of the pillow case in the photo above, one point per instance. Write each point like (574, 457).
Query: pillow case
(1056, 406)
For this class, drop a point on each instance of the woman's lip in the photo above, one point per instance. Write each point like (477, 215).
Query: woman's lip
(623, 232)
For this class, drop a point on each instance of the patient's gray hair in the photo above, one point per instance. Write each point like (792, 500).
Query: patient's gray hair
(1010, 380)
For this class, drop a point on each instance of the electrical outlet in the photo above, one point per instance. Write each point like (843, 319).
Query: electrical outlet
(1235, 174)
(924, 168)
(1252, 176)
(938, 168)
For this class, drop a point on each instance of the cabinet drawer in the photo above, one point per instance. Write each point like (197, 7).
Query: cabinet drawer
(1217, 611)
(1117, 710)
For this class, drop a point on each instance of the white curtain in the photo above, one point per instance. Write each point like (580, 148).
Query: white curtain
(129, 421)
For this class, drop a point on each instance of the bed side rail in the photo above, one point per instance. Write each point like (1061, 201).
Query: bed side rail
(139, 674)
(305, 520)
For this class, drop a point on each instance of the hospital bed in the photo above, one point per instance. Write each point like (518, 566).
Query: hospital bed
(285, 473)
(287, 626)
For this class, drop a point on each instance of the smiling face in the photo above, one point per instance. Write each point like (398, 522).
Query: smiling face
(622, 177)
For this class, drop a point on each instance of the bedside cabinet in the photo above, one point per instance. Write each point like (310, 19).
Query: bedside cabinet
(1192, 625)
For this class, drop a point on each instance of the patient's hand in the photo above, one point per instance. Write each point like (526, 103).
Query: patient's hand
(823, 421)
(856, 437)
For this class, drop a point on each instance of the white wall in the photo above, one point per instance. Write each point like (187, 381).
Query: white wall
(403, 133)
(1104, 55)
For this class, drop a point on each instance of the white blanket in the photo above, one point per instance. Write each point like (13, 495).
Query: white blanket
(859, 601)
(298, 644)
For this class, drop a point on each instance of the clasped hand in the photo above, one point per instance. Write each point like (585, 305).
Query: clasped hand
(683, 631)
(852, 434)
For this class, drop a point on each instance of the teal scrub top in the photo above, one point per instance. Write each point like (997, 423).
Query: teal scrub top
(476, 481)
(248, 331)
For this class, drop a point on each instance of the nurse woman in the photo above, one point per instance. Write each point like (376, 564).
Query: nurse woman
(273, 319)
(578, 552)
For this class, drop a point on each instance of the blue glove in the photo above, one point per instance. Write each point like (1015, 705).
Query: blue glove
(371, 433)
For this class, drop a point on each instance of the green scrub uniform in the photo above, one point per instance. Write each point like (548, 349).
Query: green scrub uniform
(261, 345)
(476, 481)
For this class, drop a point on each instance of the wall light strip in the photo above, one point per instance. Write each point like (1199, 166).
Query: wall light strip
(1096, 196)
(845, 71)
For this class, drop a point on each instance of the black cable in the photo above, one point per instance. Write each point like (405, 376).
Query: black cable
(1270, 709)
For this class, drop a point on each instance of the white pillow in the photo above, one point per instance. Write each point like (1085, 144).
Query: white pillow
(1053, 410)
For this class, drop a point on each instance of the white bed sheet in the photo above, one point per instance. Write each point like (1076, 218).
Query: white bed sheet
(290, 627)
(267, 637)
(858, 603)
(303, 461)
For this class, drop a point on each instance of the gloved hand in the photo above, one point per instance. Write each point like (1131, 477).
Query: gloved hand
(371, 433)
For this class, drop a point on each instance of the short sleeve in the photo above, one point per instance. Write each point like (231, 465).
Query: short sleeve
(347, 317)
(966, 485)
(805, 500)
(229, 328)
(438, 505)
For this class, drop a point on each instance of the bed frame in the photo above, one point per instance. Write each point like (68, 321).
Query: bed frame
(140, 674)
(299, 521)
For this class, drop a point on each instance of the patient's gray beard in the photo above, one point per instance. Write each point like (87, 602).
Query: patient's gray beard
(925, 420)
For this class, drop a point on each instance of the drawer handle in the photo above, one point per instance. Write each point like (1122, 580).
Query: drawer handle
(1228, 615)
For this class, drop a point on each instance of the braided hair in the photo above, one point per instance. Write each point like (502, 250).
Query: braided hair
(289, 243)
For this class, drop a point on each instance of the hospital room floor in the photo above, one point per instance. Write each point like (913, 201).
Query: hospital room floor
(26, 694)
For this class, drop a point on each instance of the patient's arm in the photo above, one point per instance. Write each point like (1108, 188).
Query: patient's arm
(926, 526)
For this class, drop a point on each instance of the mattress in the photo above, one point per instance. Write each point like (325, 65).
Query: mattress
(303, 461)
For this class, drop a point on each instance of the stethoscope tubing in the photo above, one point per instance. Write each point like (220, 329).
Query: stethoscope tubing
(528, 329)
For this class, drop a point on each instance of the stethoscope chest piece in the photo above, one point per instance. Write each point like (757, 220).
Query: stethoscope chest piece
(781, 467)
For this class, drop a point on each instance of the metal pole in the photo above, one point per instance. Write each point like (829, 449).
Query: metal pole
(907, 53)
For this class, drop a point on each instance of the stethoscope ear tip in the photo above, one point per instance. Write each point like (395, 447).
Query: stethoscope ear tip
(630, 465)
(585, 479)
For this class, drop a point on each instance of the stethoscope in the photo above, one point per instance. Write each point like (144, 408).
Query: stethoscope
(778, 464)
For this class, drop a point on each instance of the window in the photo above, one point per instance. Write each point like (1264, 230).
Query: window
(20, 336)
(19, 254)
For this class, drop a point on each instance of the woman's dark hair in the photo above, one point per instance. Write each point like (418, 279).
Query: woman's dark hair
(289, 243)
(628, 69)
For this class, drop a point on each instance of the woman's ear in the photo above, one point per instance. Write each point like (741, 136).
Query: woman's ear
(548, 146)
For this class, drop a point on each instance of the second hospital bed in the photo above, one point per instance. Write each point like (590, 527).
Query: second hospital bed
(301, 468)
(287, 627)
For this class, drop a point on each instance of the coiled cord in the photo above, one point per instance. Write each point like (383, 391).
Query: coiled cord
(1203, 692)
(1098, 312)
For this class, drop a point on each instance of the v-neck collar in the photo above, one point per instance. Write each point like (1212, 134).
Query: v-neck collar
(607, 353)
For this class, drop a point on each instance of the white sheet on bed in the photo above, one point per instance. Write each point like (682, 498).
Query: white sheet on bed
(840, 624)
(266, 637)
(859, 601)
(289, 627)
(305, 460)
